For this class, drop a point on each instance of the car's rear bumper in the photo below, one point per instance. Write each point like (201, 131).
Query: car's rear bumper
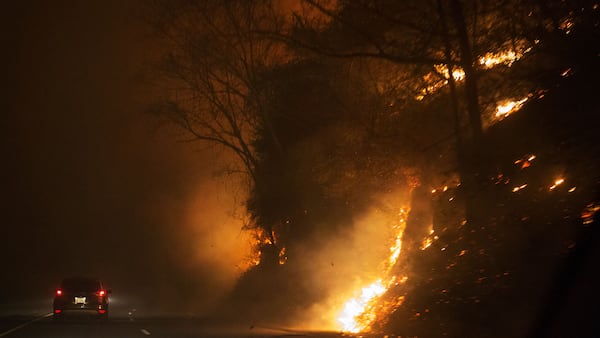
(89, 306)
(67, 309)
(82, 313)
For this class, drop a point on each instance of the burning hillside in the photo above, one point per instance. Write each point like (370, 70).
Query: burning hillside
(414, 265)
(408, 163)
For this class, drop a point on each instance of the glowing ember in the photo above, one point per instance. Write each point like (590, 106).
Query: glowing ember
(434, 83)
(525, 162)
(426, 243)
(261, 239)
(428, 240)
(282, 256)
(509, 107)
(589, 212)
(458, 74)
(490, 60)
(566, 72)
(515, 189)
(566, 25)
(557, 182)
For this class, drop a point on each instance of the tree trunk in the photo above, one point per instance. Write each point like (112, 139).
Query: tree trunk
(473, 159)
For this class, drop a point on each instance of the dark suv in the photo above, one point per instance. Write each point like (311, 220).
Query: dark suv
(81, 295)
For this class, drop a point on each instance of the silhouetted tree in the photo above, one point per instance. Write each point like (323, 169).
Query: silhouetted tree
(213, 61)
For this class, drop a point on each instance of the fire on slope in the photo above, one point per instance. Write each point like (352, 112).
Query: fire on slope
(359, 313)
(374, 302)
(370, 303)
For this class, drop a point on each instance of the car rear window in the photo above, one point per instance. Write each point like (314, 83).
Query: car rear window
(81, 284)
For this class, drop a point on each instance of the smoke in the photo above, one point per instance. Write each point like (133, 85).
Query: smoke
(342, 265)
(191, 247)
(213, 231)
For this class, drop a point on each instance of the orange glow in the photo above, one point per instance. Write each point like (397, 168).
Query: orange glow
(458, 74)
(427, 241)
(282, 256)
(557, 182)
(260, 239)
(525, 162)
(490, 60)
(589, 212)
(434, 83)
(515, 189)
(293, 10)
(357, 307)
(396, 248)
(508, 107)
(360, 312)
(566, 72)
(566, 25)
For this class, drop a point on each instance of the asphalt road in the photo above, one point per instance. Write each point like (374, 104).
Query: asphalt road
(44, 326)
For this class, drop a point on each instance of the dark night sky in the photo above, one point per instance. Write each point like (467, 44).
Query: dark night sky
(88, 185)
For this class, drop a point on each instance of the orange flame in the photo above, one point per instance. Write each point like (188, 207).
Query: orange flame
(489, 60)
(360, 312)
(356, 308)
(508, 107)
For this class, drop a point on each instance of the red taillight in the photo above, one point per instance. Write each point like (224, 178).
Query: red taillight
(102, 311)
(58, 292)
(101, 293)
(57, 311)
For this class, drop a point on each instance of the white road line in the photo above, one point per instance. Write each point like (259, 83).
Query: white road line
(23, 325)
(146, 332)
